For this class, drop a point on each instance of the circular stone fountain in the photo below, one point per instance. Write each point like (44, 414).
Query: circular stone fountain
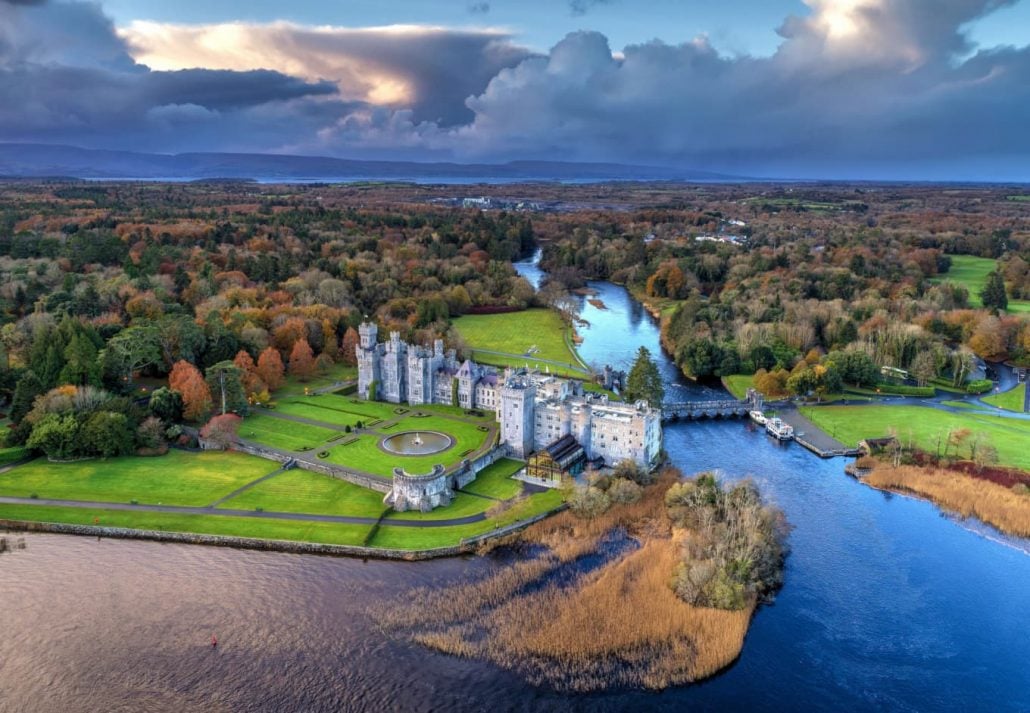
(416, 443)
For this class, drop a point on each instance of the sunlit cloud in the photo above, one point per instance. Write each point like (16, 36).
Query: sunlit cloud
(385, 66)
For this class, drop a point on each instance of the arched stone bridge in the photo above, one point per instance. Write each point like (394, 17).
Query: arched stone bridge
(723, 408)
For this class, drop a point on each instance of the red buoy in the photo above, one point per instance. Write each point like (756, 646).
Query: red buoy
(214, 641)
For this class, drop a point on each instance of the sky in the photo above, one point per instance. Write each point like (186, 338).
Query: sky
(869, 89)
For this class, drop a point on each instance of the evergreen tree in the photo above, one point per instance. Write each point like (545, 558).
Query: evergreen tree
(223, 379)
(166, 404)
(25, 392)
(644, 380)
(993, 293)
(81, 366)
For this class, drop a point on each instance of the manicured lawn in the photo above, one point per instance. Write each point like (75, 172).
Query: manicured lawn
(738, 384)
(281, 433)
(412, 538)
(850, 424)
(262, 528)
(971, 272)
(495, 480)
(967, 405)
(318, 410)
(462, 505)
(533, 333)
(1011, 400)
(177, 478)
(305, 492)
(365, 454)
(295, 387)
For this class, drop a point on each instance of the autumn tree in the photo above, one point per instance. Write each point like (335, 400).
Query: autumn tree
(196, 395)
(252, 383)
(302, 360)
(349, 350)
(222, 431)
(270, 368)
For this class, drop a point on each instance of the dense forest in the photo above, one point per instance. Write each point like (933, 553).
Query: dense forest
(211, 292)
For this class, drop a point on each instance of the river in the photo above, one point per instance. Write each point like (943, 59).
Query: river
(888, 605)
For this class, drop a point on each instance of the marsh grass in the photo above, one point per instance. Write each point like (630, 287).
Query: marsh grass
(582, 615)
(994, 504)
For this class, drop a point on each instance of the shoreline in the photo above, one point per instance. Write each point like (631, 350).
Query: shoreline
(469, 546)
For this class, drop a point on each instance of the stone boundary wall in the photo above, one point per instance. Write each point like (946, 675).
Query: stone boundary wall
(380, 485)
(468, 470)
(289, 546)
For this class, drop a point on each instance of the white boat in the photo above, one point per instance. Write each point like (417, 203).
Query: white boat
(758, 417)
(779, 430)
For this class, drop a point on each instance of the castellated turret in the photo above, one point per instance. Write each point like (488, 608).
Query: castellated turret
(368, 349)
(518, 396)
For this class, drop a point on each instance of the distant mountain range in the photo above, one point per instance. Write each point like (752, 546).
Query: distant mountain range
(54, 161)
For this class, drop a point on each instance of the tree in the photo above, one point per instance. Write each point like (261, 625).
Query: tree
(302, 360)
(55, 435)
(924, 368)
(133, 349)
(222, 431)
(645, 381)
(252, 383)
(196, 395)
(81, 364)
(166, 404)
(25, 392)
(588, 502)
(179, 337)
(349, 350)
(151, 433)
(223, 379)
(993, 294)
(107, 434)
(270, 368)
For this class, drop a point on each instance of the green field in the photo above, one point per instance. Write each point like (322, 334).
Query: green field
(302, 491)
(177, 478)
(281, 433)
(295, 387)
(971, 272)
(530, 336)
(1011, 400)
(423, 538)
(198, 479)
(738, 384)
(850, 424)
(495, 481)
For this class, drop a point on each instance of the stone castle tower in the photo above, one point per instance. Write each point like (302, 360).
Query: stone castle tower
(518, 396)
(368, 360)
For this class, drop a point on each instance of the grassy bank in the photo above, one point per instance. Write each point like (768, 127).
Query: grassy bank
(200, 479)
(1011, 400)
(923, 425)
(994, 504)
(520, 337)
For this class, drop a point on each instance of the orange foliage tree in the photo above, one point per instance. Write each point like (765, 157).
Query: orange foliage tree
(270, 368)
(348, 352)
(196, 395)
(302, 360)
(249, 378)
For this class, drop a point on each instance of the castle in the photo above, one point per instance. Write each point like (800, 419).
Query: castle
(534, 409)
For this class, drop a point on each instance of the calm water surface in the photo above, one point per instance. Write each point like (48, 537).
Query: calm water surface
(887, 606)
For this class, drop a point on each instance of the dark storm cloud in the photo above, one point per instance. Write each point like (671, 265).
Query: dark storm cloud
(858, 88)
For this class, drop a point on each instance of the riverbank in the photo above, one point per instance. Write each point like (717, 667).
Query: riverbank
(1005, 508)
